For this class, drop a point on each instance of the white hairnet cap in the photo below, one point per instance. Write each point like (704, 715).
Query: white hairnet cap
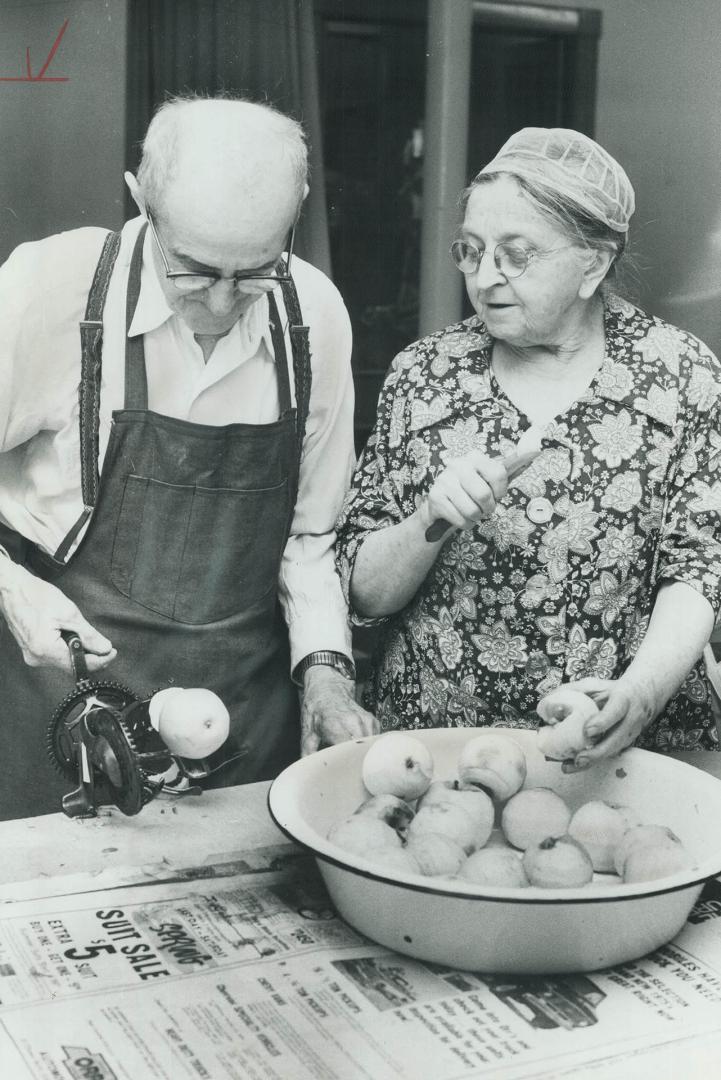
(571, 164)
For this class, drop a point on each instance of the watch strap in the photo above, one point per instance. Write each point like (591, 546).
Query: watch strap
(328, 658)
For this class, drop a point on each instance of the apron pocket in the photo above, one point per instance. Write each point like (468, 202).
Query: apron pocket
(198, 554)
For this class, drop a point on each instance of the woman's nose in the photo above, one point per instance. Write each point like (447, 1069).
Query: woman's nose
(486, 273)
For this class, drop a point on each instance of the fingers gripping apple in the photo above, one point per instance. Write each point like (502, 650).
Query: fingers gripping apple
(565, 712)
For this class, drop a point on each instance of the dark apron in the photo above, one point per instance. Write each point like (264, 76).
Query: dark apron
(178, 566)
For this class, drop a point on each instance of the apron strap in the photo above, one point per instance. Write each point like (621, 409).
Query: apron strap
(91, 353)
(136, 379)
(280, 355)
(302, 375)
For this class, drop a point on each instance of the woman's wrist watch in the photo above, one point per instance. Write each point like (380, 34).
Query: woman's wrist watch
(328, 658)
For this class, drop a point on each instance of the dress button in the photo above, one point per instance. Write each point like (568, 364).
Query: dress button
(539, 511)
(537, 665)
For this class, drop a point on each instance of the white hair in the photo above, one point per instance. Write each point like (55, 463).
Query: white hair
(248, 123)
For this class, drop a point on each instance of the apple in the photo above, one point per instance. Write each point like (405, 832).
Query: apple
(363, 834)
(396, 860)
(496, 866)
(646, 862)
(447, 820)
(474, 801)
(390, 809)
(565, 701)
(397, 764)
(437, 855)
(566, 712)
(599, 826)
(653, 836)
(494, 763)
(192, 723)
(532, 815)
(558, 862)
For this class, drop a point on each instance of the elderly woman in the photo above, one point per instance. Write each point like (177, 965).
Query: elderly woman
(597, 564)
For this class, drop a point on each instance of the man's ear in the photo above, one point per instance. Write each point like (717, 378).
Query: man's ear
(134, 189)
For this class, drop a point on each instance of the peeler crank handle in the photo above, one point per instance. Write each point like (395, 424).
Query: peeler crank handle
(515, 462)
(77, 654)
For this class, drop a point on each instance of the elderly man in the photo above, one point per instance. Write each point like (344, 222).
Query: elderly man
(176, 440)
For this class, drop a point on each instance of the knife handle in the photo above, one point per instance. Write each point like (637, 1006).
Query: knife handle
(436, 530)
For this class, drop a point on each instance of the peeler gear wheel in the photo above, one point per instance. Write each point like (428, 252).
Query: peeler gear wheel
(60, 741)
(124, 782)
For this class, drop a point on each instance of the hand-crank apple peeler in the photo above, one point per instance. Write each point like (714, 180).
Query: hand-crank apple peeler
(102, 736)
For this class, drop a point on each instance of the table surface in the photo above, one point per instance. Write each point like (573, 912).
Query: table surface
(187, 832)
(169, 832)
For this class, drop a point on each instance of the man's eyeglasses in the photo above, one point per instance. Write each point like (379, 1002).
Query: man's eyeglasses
(509, 259)
(192, 281)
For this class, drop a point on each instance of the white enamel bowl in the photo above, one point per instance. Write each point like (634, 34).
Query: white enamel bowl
(521, 931)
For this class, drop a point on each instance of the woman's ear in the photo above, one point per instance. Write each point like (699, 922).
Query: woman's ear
(597, 268)
(135, 191)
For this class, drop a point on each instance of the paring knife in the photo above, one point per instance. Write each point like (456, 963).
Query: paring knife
(515, 462)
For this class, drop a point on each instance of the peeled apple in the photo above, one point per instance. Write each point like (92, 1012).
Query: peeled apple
(565, 712)
(192, 723)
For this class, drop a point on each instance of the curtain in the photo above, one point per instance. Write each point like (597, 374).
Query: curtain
(262, 49)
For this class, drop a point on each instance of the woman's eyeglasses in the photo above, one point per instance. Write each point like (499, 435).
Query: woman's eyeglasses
(509, 259)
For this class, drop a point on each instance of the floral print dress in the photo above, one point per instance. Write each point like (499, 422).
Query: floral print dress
(560, 582)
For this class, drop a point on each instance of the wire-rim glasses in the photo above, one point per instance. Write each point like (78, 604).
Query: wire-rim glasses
(511, 260)
(191, 281)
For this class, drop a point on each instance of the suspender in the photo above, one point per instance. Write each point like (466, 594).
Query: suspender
(302, 374)
(91, 346)
(91, 341)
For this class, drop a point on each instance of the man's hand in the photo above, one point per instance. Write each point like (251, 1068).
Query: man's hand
(330, 713)
(626, 708)
(37, 611)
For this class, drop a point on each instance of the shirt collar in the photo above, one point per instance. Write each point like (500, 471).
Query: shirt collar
(641, 368)
(153, 310)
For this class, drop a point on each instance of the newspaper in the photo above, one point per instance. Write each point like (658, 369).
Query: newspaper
(253, 975)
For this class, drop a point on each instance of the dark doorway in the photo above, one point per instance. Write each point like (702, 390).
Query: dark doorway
(372, 78)
(531, 65)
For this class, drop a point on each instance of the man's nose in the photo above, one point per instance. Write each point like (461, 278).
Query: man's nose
(222, 297)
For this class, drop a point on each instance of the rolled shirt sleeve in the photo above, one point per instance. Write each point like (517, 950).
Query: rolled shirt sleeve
(310, 592)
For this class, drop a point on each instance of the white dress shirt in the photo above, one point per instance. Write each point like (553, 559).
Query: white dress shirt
(43, 293)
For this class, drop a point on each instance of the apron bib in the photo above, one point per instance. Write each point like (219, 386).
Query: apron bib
(178, 566)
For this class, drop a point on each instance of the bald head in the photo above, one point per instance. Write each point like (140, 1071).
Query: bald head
(238, 156)
(224, 181)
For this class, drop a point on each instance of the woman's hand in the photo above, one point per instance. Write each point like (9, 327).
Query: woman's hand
(626, 707)
(466, 491)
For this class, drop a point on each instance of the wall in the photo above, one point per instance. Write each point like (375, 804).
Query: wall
(659, 112)
(63, 142)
